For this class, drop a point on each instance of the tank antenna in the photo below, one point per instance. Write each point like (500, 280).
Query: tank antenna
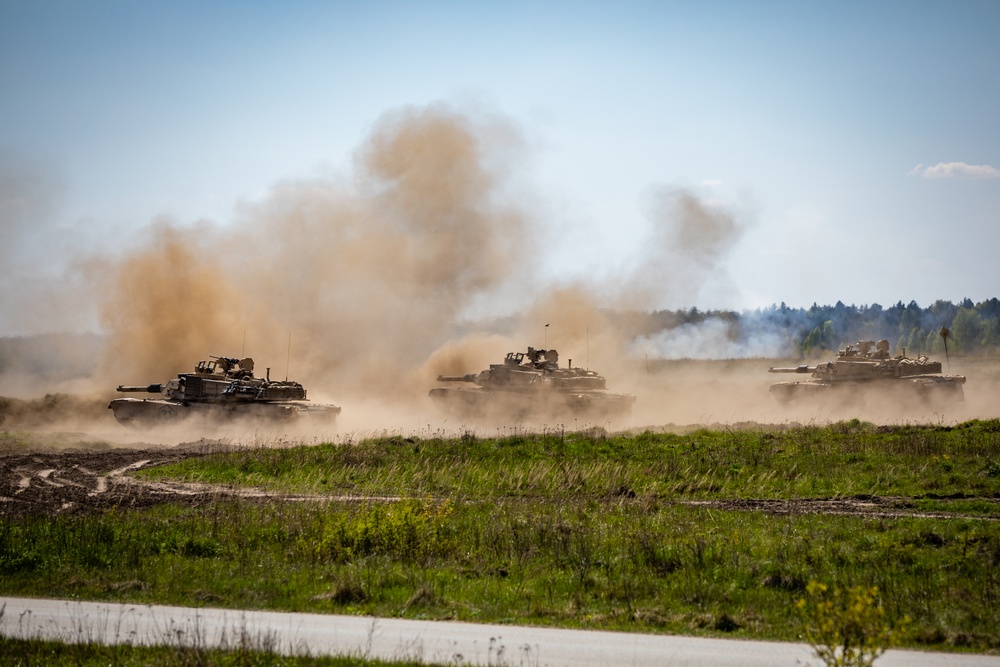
(944, 335)
(243, 352)
(545, 336)
(289, 355)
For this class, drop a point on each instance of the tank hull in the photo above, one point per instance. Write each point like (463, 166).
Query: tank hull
(144, 413)
(926, 389)
(479, 403)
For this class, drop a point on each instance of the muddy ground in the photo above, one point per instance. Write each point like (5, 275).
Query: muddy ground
(82, 481)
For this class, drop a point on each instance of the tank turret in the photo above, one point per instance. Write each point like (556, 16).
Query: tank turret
(869, 364)
(531, 385)
(219, 388)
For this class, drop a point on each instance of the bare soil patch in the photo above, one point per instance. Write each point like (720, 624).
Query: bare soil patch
(54, 482)
(81, 481)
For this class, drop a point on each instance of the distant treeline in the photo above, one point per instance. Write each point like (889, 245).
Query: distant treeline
(974, 328)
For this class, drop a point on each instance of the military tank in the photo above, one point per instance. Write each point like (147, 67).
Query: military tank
(869, 364)
(531, 386)
(220, 388)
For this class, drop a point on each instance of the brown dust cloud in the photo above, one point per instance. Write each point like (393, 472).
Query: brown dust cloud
(359, 286)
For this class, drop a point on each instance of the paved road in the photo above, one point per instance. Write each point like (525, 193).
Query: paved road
(428, 641)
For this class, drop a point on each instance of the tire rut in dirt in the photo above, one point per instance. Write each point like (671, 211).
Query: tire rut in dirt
(52, 483)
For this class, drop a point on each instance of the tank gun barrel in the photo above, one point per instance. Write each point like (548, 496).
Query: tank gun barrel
(796, 369)
(150, 389)
(471, 377)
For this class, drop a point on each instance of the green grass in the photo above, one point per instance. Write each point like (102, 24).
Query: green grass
(627, 565)
(845, 459)
(572, 530)
(30, 652)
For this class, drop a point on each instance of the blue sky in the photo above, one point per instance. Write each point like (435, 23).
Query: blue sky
(856, 145)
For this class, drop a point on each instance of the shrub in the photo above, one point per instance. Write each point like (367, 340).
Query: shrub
(846, 628)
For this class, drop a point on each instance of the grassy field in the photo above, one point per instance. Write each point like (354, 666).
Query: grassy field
(711, 532)
(31, 652)
(846, 458)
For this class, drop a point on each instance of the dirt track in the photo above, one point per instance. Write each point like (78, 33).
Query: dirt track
(868, 506)
(77, 481)
(82, 481)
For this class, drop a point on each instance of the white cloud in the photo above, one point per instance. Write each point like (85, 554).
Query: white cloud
(955, 170)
